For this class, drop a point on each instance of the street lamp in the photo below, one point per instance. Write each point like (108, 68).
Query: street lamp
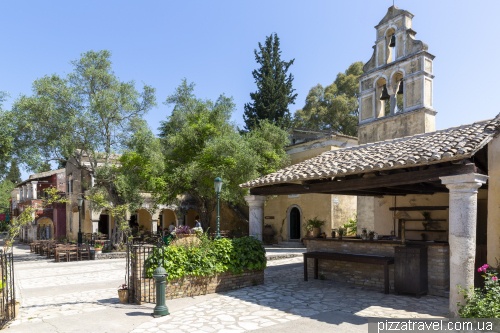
(217, 186)
(80, 238)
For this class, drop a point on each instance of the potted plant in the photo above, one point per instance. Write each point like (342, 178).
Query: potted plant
(98, 246)
(364, 234)
(308, 229)
(123, 293)
(333, 233)
(316, 225)
(341, 232)
(323, 234)
(371, 234)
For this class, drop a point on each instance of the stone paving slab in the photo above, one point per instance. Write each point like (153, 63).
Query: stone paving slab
(286, 297)
(83, 298)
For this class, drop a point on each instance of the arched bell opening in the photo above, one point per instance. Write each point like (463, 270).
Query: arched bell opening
(382, 97)
(390, 42)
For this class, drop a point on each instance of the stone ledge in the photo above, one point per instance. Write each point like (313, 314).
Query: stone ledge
(283, 256)
(109, 255)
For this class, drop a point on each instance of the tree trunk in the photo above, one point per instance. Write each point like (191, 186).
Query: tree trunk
(116, 237)
(204, 211)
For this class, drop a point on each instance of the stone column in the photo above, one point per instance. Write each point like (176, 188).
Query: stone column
(95, 226)
(25, 192)
(34, 189)
(256, 214)
(21, 194)
(462, 234)
(154, 222)
(28, 190)
(91, 180)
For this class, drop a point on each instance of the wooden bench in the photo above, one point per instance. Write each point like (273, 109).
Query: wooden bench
(361, 258)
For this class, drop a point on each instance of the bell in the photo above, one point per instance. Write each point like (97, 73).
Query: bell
(393, 41)
(385, 95)
(400, 90)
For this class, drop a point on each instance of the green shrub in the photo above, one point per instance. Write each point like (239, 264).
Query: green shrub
(208, 257)
(482, 302)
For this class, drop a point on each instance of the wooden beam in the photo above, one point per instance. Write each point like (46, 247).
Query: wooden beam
(412, 177)
(419, 188)
(418, 208)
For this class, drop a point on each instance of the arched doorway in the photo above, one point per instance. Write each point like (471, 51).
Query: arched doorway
(294, 223)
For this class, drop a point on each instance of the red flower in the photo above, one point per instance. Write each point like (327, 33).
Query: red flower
(102, 244)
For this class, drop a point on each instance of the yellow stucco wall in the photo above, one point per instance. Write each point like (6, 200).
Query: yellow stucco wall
(144, 219)
(384, 221)
(493, 238)
(308, 154)
(190, 217)
(334, 212)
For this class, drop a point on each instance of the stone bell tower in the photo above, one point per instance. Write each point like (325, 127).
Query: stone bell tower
(395, 91)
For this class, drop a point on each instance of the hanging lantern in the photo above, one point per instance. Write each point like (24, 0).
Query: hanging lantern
(385, 95)
(393, 41)
(400, 90)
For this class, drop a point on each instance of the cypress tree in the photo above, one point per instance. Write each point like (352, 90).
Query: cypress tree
(274, 88)
(14, 174)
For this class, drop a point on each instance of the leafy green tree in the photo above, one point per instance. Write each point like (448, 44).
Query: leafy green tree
(43, 167)
(335, 107)
(274, 88)
(6, 187)
(200, 143)
(84, 119)
(14, 174)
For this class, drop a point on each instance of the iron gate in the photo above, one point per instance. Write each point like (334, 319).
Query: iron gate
(7, 289)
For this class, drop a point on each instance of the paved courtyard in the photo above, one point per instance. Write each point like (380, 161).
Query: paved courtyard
(82, 297)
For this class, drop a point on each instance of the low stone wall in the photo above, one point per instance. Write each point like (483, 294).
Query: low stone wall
(109, 255)
(145, 291)
(373, 275)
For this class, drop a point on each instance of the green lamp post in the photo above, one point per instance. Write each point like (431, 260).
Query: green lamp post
(80, 235)
(218, 186)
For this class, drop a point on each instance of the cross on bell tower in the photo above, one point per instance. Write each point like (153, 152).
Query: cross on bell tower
(395, 97)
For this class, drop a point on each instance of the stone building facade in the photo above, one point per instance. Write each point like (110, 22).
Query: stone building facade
(50, 222)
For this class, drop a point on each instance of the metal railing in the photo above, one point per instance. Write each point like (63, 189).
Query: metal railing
(7, 289)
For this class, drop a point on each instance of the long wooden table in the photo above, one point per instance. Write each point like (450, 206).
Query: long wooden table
(361, 258)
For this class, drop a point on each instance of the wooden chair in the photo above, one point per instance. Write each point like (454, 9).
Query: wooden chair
(60, 250)
(84, 252)
(72, 252)
(51, 250)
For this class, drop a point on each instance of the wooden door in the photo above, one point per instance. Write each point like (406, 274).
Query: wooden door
(295, 223)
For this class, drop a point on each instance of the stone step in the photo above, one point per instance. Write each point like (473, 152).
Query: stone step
(289, 245)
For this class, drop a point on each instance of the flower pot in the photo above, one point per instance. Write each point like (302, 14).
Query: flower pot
(324, 236)
(371, 237)
(309, 233)
(98, 249)
(316, 232)
(333, 234)
(16, 310)
(123, 295)
(268, 235)
(340, 237)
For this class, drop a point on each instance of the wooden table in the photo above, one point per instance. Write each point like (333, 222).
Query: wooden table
(361, 258)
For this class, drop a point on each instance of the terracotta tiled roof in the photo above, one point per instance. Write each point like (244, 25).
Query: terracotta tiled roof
(440, 146)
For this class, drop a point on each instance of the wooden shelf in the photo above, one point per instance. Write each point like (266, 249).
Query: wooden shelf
(426, 220)
(426, 230)
(418, 208)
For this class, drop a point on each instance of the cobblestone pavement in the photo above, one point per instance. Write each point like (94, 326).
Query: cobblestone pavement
(36, 274)
(286, 297)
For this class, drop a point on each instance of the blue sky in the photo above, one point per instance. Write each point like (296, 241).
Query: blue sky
(211, 43)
